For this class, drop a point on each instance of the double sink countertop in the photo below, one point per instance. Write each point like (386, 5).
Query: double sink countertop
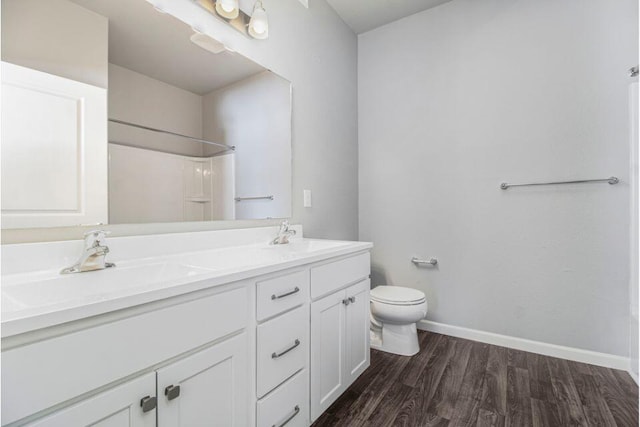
(39, 299)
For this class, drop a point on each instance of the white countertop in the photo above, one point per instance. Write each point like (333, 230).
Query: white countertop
(39, 299)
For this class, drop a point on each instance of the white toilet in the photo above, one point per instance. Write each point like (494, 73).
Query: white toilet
(394, 313)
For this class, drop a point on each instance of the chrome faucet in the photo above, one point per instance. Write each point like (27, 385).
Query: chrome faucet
(283, 234)
(93, 256)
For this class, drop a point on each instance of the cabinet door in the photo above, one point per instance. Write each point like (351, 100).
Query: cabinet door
(327, 352)
(357, 320)
(208, 388)
(117, 407)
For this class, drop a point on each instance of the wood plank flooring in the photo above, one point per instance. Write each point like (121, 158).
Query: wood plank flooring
(456, 382)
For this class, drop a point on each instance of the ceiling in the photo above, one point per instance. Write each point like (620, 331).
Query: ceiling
(365, 15)
(157, 45)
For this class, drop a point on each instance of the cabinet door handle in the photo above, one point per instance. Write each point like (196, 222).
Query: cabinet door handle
(296, 410)
(352, 299)
(346, 301)
(275, 355)
(286, 294)
(148, 403)
(172, 391)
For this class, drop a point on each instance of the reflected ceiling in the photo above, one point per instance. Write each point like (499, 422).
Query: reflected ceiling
(136, 30)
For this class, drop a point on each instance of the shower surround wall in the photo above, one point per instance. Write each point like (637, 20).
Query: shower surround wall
(456, 99)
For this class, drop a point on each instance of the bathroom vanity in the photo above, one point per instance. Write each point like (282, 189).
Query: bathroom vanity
(211, 328)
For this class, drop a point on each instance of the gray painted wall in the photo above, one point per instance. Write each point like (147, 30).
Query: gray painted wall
(315, 50)
(56, 37)
(254, 115)
(140, 99)
(456, 99)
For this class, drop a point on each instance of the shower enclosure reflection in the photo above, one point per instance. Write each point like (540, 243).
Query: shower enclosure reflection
(237, 152)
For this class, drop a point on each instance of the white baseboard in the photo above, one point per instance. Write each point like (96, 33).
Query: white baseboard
(562, 352)
(634, 376)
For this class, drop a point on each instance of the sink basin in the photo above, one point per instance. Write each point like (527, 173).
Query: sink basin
(304, 246)
(225, 259)
(257, 255)
(51, 288)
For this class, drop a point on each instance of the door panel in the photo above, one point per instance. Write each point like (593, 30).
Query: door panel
(213, 387)
(357, 331)
(117, 407)
(327, 352)
(54, 150)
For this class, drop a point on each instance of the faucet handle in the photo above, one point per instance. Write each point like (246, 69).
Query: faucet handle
(284, 226)
(95, 237)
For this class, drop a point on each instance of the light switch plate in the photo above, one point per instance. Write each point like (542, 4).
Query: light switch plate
(307, 198)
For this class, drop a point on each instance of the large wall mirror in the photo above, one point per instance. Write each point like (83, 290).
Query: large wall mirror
(115, 112)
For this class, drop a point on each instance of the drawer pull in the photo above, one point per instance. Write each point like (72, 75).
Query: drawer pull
(276, 355)
(352, 299)
(346, 301)
(296, 410)
(294, 291)
(148, 403)
(172, 392)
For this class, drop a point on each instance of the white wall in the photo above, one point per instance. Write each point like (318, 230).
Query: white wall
(456, 99)
(139, 99)
(57, 37)
(315, 50)
(254, 115)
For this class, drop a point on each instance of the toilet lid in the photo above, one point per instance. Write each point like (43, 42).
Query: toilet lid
(397, 295)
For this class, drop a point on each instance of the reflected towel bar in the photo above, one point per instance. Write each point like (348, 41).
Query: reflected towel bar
(166, 132)
(239, 199)
(611, 180)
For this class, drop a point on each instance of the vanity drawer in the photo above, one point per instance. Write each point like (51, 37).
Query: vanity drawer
(282, 293)
(330, 277)
(289, 402)
(40, 375)
(283, 348)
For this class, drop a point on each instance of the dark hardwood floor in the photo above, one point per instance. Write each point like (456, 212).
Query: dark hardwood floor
(456, 382)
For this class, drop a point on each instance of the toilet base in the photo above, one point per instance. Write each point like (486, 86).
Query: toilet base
(396, 339)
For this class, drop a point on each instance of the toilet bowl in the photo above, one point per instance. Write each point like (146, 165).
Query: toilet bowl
(394, 313)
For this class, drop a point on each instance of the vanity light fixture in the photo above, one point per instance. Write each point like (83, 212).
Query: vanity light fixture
(229, 9)
(259, 23)
(256, 25)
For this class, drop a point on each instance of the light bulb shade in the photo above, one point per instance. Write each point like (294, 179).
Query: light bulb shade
(259, 23)
(228, 9)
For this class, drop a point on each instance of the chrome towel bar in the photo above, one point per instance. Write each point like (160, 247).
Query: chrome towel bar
(611, 180)
(430, 261)
(239, 199)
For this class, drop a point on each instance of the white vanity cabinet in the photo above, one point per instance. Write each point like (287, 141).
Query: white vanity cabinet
(339, 329)
(282, 351)
(204, 389)
(274, 348)
(48, 372)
